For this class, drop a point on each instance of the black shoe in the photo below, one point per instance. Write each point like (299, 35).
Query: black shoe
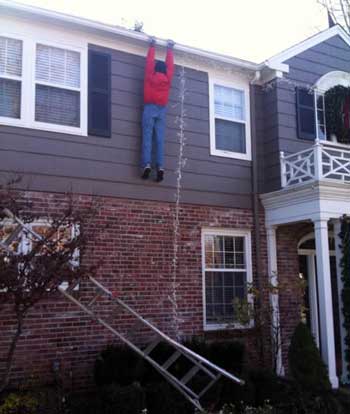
(160, 175)
(146, 172)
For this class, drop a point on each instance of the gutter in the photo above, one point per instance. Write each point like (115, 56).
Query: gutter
(255, 177)
(18, 10)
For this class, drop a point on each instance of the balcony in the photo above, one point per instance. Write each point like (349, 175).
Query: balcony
(324, 161)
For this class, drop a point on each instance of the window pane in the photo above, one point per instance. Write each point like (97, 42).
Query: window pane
(229, 102)
(226, 252)
(230, 136)
(57, 106)
(220, 295)
(58, 66)
(239, 278)
(10, 98)
(229, 260)
(239, 244)
(10, 56)
(229, 244)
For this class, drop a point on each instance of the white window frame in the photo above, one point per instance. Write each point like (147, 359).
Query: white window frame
(29, 82)
(246, 234)
(319, 94)
(241, 86)
(4, 119)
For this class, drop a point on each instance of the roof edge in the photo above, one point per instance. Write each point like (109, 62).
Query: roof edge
(277, 61)
(31, 11)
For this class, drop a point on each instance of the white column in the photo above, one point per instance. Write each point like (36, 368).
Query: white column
(318, 160)
(274, 302)
(313, 301)
(338, 253)
(325, 299)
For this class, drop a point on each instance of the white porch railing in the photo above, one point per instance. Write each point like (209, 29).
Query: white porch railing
(323, 161)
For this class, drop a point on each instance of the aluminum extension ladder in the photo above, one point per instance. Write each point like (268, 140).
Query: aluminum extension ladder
(199, 364)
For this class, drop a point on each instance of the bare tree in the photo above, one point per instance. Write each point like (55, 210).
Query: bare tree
(338, 11)
(35, 270)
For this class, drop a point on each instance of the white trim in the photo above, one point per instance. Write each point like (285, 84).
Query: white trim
(248, 269)
(3, 119)
(306, 202)
(340, 283)
(272, 267)
(241, 86)
(330, 79)
(279, 59)
(28, 81)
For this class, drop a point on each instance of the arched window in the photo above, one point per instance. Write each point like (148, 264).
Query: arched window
(324, 109)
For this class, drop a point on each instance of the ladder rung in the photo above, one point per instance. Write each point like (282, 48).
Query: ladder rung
(206, 388)
(190, 374)
(13, 235)
(171, 360)
(151, 346)
(93, 300)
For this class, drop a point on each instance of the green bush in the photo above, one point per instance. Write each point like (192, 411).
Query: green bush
(19, 403)
(118, 365)
(162, 398)
(305, 363)
(115, 399)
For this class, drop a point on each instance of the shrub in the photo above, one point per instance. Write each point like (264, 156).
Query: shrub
(19, 403)
(115, 399)
(305, 363)
(162, 398)
(118, 365)
(121, 365)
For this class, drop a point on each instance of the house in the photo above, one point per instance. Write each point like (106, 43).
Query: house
(261, 190)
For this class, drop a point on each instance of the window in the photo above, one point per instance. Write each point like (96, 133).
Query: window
(57, 86)
(43, 85)
(311, 114)
(10, 77)
(320, 116)
(226, 273)
(229, 132)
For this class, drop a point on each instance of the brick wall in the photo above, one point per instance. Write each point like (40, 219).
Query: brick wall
(290, 292)
(133, 243)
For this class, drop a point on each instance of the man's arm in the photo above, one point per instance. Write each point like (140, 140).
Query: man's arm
(150, 61)
(170, 60)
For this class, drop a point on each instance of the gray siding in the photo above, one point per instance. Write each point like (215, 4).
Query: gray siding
(280, 102)
(59, 162)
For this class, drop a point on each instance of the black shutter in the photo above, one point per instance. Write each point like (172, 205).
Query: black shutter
(99, 94)
(306, 113)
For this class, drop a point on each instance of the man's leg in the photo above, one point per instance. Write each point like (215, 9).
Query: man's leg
(148, 120)
(159, 129)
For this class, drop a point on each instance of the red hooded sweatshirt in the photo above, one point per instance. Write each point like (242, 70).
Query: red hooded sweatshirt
(157, 84)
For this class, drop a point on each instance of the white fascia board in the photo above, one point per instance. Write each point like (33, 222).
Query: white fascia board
(277, 61)
(18, 9)
(326, 199)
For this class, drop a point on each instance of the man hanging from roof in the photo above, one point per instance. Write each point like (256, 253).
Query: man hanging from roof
(158, 77)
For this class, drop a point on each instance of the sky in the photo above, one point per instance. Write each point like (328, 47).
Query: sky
(248, 29)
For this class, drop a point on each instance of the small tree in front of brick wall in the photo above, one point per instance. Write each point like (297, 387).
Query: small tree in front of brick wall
(32, 268)
(260, 310)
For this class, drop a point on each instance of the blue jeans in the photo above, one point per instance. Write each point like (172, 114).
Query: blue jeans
(153, 122)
